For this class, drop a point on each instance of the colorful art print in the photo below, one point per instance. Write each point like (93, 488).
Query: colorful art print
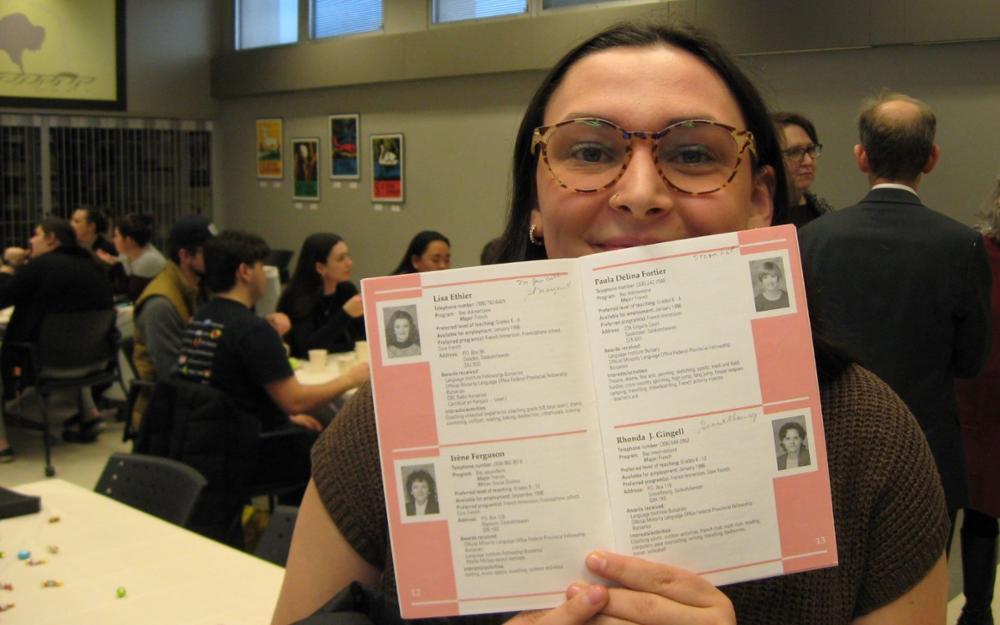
(344, 148)
(305, 153)
(387, 168)
(270, 163)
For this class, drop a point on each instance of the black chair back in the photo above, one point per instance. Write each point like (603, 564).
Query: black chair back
(159, 486)
(77, 340)
(277, 538)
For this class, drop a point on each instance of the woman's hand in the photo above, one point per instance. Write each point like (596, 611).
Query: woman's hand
(583, 603)
(353, 307)
(657, 594)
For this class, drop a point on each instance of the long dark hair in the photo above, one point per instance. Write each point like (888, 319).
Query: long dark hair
(523, 199)
(306, 285)
(418, 245)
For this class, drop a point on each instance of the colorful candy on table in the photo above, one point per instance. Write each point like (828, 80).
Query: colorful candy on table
(24, 555)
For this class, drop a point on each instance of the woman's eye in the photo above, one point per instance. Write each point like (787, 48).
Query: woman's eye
(591, 153)
(691, 155)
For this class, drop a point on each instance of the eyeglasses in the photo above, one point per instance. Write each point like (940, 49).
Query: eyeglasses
(797, 154)
(695, 156)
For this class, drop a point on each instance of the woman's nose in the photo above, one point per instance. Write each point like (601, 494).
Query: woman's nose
(641, 191)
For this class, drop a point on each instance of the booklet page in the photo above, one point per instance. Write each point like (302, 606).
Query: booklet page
(499, 415)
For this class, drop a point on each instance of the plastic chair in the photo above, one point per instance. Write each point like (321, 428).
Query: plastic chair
(75, 350)
(159, 486)
(277, 538)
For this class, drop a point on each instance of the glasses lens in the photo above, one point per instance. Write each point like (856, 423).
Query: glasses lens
(586, 154)
(698, 157)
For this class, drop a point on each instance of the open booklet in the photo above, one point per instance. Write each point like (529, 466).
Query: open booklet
(658, 401)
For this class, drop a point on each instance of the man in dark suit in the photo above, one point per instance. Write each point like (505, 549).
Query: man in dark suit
(901, 288)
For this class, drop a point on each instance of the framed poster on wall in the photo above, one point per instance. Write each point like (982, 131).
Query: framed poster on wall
(269, 145)
(305, 153)
(387, 167)
(59, 54)
(344, 152)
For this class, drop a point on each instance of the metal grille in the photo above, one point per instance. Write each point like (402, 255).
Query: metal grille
(20, 178)
(52, 164)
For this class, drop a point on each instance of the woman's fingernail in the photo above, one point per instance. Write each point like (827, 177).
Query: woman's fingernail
(574, 590)
(596, 561)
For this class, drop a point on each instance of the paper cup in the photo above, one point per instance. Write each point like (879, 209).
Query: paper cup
(361, 351)
(317, 359)
(345, 362)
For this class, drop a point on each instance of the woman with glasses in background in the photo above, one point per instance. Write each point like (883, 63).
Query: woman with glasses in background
(801, 149)
(592, 173)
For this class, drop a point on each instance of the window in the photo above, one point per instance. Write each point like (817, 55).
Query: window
(266, 23)
(558, 4)
(344, 17)
(455, 10)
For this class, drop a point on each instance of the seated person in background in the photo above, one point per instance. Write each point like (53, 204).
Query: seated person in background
(228, 346)
(56, 276)
(320, 300)
(428, 251)
(167, 304)
(801, 149)
(490, 251)
(90, 224)
(138, 257)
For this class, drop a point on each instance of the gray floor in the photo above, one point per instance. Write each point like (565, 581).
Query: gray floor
(81, 464)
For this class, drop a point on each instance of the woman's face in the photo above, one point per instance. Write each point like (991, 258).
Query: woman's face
(436, 256)
(337, 267)
(401, 329)
(792, 441)
(769, 281)
(420, 490)
(644, 88)
(801, 173)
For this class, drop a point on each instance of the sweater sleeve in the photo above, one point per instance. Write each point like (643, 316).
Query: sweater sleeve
(162, 328)
(348, 477)
(909, 524)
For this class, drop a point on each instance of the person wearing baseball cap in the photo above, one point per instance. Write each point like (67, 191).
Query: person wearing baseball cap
(167, 304)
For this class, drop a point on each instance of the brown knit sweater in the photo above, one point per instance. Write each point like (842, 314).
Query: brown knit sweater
(887, 503)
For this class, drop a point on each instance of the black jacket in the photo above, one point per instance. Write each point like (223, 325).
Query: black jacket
(67, 279)
(906, 291)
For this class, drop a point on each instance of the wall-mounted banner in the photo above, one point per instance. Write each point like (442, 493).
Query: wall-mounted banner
(344, 148)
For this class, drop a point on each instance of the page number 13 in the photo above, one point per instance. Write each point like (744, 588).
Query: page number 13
(821, 540)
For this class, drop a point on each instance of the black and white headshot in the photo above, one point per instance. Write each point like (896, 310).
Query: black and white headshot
(402, 334)
(791, 443)
(770, 290)
(420, 490)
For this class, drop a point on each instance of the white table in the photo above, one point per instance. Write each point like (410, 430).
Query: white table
(305, 374)
(171, 576)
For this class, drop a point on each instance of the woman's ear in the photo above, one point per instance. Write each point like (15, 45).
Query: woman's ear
(320, 268)
(762, 198)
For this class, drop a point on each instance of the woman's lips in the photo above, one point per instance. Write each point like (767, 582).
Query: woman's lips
(618, 243)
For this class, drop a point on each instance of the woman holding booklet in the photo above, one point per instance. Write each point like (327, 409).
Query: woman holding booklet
(593, 173)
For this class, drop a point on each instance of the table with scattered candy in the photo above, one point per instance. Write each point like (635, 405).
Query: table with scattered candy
(86, 558)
